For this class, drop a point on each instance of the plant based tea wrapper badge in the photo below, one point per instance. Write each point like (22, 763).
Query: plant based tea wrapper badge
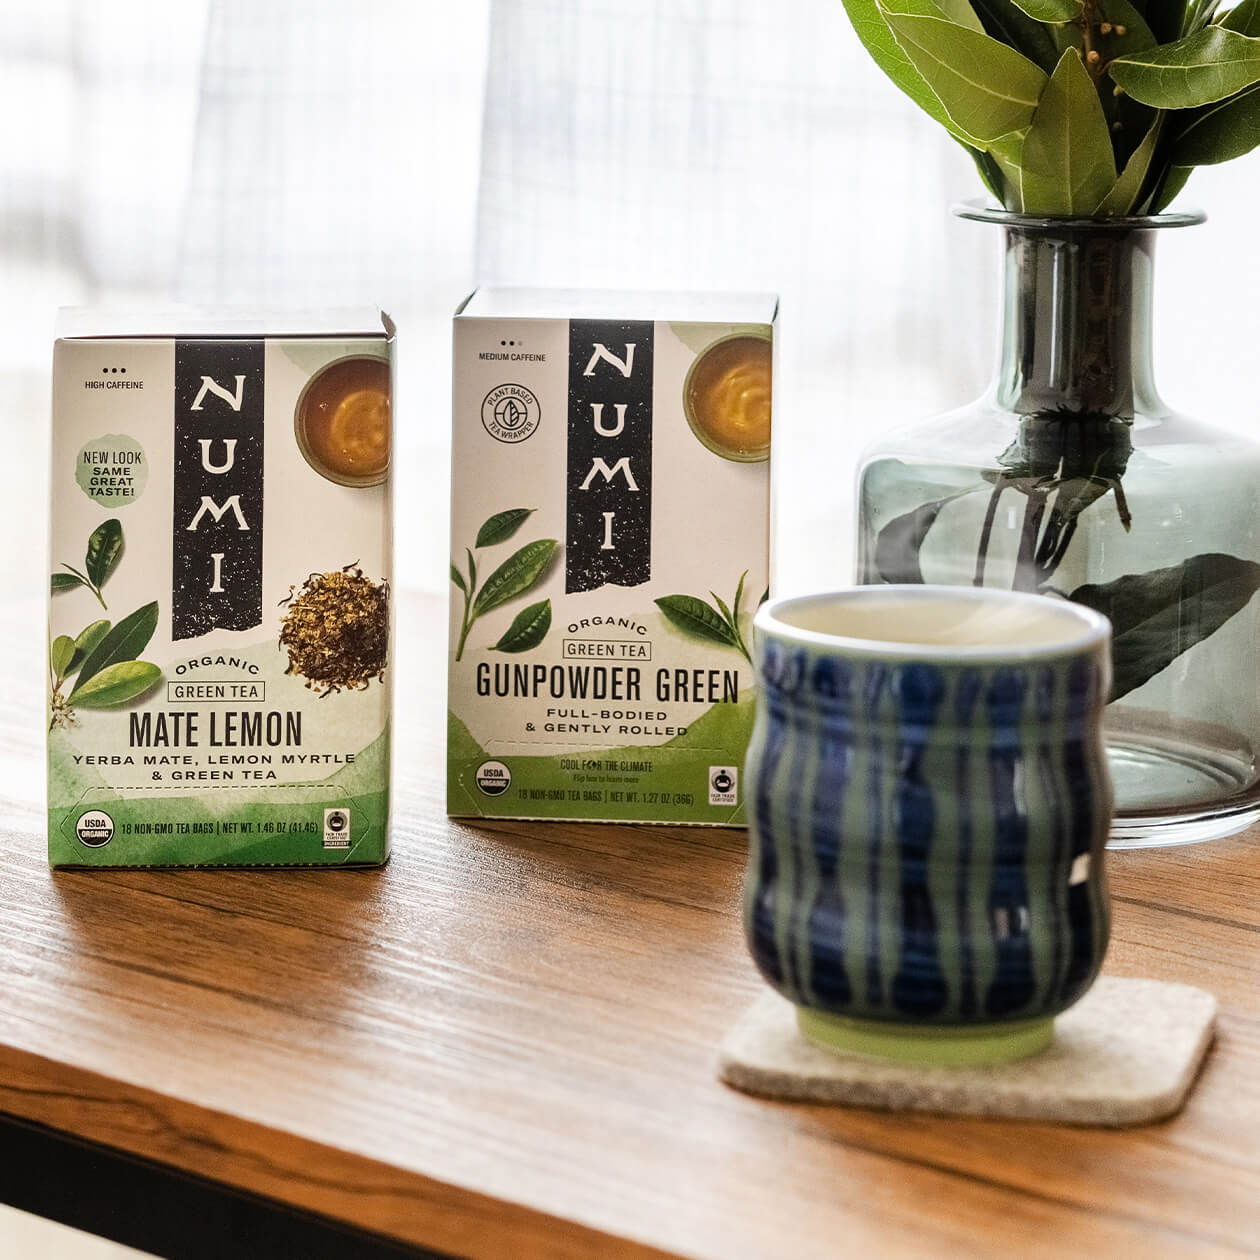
(609, 546)
(219, 675)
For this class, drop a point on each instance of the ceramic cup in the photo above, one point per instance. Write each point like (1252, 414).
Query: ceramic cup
(929, 801)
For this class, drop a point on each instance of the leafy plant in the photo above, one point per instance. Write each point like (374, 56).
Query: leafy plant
(519, 573)
(103, 663)
(1077, 107)
(104, 550)
(717, 622)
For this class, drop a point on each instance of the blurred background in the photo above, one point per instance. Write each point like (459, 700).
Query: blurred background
(398, 152)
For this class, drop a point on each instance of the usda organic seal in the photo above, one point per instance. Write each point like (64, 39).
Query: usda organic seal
(493, 778)
(95, 828)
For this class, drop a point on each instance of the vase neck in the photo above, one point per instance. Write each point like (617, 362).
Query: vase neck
(1076, 323)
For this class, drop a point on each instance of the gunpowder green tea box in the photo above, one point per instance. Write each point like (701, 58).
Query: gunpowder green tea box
(609, 545)
(219, 629)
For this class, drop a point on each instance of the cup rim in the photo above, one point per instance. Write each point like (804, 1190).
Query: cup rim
(299, 428)
(1095, 629)
(756, 457)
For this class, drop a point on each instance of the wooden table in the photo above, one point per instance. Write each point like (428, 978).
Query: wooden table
(503, 1044)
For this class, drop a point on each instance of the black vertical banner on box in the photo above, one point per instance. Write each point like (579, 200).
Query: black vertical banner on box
(217, 526)
(609, 509)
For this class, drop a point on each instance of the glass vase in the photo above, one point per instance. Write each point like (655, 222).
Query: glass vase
(1072, 477)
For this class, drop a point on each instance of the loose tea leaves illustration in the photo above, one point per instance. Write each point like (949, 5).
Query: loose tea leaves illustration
(519, 573)
(104, 550)
(702, 620)
(336, 630)
(105, 659)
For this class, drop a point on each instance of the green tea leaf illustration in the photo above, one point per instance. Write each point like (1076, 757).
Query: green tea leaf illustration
(695, 617)
(86, 643)
(501, 526)
(61, 654)
(458, 578)
(515, 575)
(1157, 616)
(528, 628)
(103, 551)
(65, 582)
(124, 642)
(116, 684)
(724, 608)
(472, 570)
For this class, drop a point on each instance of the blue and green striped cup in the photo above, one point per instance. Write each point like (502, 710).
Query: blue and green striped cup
(929, 801)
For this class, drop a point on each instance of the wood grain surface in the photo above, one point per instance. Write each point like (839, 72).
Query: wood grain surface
(504, 1043)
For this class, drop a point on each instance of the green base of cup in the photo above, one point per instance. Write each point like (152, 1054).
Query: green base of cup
(934, 1045)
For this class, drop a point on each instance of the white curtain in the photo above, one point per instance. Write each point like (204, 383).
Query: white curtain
(396, 151)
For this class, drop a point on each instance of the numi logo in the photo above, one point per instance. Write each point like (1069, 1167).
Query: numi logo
(609, 514)
(218, 487)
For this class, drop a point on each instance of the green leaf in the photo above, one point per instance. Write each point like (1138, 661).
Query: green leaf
(61, 654)
(1244, 18)
(1174, 181)
(1220, 132)
(1013, 26)
(987, 89)
(472, 570)
(528, 629)
(739, 592)
(1066, 164)
(960, 11)
(124, 642)
(116, 684)
(458, 578)
(694, 617)
(64, 582)
(878, 40)
(103, 551)
(501, 526)
(515, 575)
(898, 544)
(989, 171)
(1157, 616)
(86, 643)
(724, 609)
(1125, 192)
(1137, 37)
(1202, 68)
(1050, 11)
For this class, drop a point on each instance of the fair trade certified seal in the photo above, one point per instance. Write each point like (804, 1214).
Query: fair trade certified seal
(510, 413)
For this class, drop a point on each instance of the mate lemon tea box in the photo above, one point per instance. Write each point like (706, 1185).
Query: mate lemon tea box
(610, 545)
(219, 668)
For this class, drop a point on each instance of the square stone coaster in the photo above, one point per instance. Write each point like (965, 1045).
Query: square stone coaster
(1126, 1053)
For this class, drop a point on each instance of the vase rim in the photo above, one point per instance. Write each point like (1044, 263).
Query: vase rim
(1079, 630)
(981, 212)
